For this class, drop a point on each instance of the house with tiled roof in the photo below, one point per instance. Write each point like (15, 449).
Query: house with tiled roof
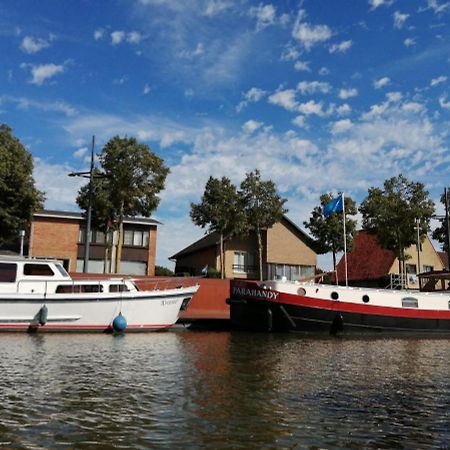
(370, 265)
(287, 252)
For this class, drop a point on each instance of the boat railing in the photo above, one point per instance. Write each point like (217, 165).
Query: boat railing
(164, 283)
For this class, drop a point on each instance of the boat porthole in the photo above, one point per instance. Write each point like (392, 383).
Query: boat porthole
(301, 291)
(365, 299)
(334, 295)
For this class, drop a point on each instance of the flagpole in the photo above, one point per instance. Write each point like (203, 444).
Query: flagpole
(345, 240)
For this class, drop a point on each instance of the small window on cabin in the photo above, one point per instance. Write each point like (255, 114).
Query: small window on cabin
(38, 270)
(8, 272)
(410, 302)
(64, 289)
(334, 295)
(90, 288)
(118, 288)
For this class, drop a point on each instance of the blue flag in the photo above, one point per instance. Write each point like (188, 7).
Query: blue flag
(333, 206)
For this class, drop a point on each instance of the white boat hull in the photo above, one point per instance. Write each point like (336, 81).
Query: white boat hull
(142, 310)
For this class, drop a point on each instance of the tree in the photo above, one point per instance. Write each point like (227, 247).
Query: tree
(19, 198)
(131, 178)
(329, 231)
(391, 214)
(220, 211)
(440, 234)
(103, 214)
(263, 207)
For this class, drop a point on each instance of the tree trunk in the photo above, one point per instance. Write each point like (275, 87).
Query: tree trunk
(222, 258)
(120, 241)
(258, 233)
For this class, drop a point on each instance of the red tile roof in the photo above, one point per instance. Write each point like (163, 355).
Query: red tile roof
(367, 261)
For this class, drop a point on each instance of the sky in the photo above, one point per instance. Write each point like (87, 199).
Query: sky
(319, 95)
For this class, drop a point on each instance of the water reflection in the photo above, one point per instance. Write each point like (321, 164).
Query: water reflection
(190, 389)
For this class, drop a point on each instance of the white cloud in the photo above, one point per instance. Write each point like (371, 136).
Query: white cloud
(344, 109)
(253, 95)
(46, 106)
(300, 121)
(324, 71)
(381, 82)
(215, 7)
(193, 53)
(117, 37)
(285, 99)
(33, 45)
(376, 3)
(341, 47)
(344, 94)
(265, 15)
(438, 80)
(409, 42)
(341, 126)
(394, 96)
(134, 37)
(399, 19)
(438, 7)
(311, 108)
(311, 87)
(251, 126)
(99, 33)
(302, 66)
(310, 35)
(43, 72)
(146, 89)
(443, 102)
(290, 53)
(80, 153)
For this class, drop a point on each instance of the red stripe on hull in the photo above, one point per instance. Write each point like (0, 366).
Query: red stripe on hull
(336, 305)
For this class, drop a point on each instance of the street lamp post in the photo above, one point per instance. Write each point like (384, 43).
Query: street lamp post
(87, 233)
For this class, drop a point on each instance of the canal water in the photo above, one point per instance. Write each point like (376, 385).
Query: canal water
(187, 389)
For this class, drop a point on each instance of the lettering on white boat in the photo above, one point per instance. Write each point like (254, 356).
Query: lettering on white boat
(168, 302)
(258, 293)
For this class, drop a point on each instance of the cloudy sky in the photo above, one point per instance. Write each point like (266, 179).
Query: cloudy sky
(319, 95)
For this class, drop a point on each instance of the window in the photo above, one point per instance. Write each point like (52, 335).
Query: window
(410, 302)
(411, 268)
(428, 268)
(38, 270)
(8, 272)
(136, 238)
(243, 262)
(290, 271)
(118, 288)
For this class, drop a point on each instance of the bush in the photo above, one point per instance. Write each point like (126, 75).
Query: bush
(163, 272)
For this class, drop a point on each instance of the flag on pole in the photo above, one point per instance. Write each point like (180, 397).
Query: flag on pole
(334, 206)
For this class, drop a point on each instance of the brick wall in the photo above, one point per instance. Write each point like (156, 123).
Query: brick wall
(55, 238)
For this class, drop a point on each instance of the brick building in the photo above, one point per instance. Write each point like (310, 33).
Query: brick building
(60, 234)
(287, 251)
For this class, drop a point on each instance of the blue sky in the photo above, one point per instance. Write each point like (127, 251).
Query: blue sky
(319, 95)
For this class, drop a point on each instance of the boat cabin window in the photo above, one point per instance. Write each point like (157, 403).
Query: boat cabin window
(118, 288)
(61, 270)
(78, 288)
(410, 302)
(38, 270)
(8, 272)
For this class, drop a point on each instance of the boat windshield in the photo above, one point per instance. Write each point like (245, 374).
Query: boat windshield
(61, 270)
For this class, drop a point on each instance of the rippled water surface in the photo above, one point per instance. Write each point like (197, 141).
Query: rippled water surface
(186, 389)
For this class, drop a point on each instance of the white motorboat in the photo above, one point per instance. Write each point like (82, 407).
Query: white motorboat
(39, 295)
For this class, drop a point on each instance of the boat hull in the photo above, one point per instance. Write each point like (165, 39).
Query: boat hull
(281, 311)
(143, 311)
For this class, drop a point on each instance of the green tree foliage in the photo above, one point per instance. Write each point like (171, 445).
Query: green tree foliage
(161, 271)
(220, 211)
(440, 233)
(390, 213)
(329, 231)
(19, 198)
(263, 207)
(128, 184)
